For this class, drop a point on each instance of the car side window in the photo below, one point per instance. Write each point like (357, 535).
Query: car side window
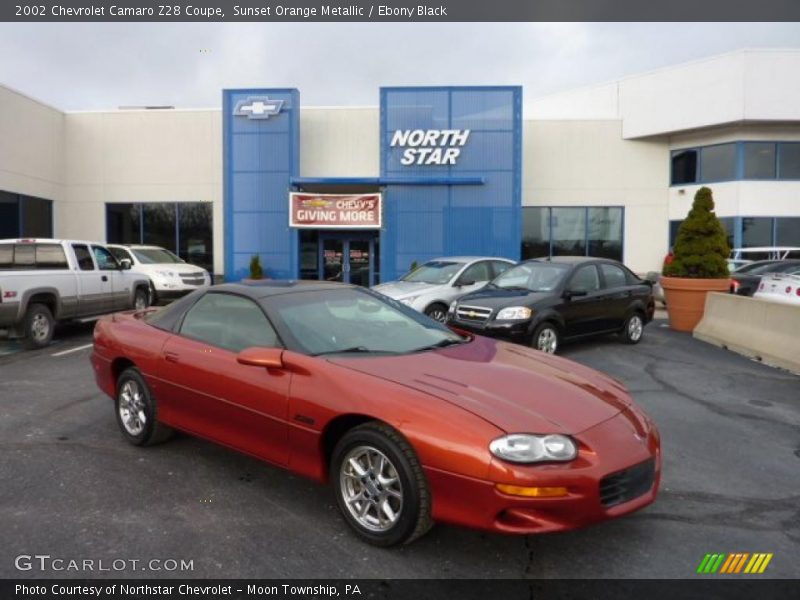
(105, 260)
(500, 267)
(614, 276)
(585, 279)
(478, 272)
(230, 322)
(85, 262)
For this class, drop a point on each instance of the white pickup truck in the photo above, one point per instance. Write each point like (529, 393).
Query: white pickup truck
(43, 282)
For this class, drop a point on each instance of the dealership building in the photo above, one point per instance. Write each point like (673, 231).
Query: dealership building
(359, 193)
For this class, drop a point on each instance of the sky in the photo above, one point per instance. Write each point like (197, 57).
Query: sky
(95, 66)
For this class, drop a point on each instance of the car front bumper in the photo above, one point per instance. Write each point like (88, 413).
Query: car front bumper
(513, 331)
(610, 454)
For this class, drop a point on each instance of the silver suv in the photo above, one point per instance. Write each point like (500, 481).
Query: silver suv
(431, 287)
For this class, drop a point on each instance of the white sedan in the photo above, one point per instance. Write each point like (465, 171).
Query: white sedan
(784, 288)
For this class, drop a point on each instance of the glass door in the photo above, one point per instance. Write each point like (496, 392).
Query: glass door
(349, 259)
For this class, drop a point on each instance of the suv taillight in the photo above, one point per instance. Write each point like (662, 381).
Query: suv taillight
(735, 286)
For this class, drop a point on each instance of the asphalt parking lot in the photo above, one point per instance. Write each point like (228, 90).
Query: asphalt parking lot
(73, 488)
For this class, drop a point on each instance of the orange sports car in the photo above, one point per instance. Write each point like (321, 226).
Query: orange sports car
(410, 422)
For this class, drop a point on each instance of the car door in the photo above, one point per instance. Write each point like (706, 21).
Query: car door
(119, 290)
(617, 296)
(91, 287)
(583, 306)
(210, 394)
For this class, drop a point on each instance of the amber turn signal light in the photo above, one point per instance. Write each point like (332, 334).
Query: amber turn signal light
(532, 492)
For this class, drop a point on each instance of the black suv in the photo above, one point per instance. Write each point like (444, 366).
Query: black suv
(542, 301)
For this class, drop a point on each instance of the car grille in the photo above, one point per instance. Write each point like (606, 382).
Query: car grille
(193, 279)
(473, 314)
(628, 484)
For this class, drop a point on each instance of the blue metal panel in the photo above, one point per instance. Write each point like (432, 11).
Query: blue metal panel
(260, 156)
(424, 222)
(301, 181)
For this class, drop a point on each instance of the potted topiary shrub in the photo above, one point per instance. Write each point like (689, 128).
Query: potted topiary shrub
(256, 272)
(698, 265)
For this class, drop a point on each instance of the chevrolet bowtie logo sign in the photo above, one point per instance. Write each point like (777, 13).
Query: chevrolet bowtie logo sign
(257, 107)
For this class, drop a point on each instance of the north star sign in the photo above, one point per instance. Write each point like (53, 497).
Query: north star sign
(430, 146)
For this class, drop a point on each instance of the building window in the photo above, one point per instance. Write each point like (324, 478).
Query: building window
(25, 216)
(684, 166)
(185, 228)
(718, 163)
(535, 232)
(787, 231)
(572, 231)
(789, 160)
(759, 160)
(756, 231)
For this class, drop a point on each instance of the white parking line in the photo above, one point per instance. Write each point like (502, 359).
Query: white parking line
(63, 352)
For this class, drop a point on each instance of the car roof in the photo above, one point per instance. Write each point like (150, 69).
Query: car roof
(276, 287)
(31, 240)
(138, 247)
(466, 259)
(571, 259)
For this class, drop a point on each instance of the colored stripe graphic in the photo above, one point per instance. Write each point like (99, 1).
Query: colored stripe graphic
(765, 563)
(740, 564)
(727, 564)
(703, 563)
(715, 565)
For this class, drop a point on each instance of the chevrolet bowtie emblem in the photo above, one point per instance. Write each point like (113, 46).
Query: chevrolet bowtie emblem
(257, 107)
(472, 314)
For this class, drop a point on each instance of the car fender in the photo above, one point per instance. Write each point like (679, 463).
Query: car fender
(136, 284)
(30, 293)
(547, 314)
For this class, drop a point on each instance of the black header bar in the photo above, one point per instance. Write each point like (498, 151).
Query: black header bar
(399, 10)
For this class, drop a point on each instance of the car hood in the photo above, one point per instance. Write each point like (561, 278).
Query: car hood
(180, 269)
(493, 297)
(402, 289)
(515, 388)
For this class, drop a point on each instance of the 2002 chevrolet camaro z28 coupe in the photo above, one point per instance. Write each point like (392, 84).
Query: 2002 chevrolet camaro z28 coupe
(410, 422)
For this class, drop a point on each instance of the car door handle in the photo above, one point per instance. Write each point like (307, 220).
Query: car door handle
(171, 357)
(104, 278)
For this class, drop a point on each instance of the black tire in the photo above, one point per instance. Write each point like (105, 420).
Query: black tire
(141, 298)
(151, 432)
(39, 326)
(437, 311)
(414, 514)
(546, 338)
(633, 329)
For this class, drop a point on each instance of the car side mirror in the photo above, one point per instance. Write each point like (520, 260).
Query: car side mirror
(125, 264)
(268, 358)
(463, 282)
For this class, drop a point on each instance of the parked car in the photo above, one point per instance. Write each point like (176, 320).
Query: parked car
(45, 281)
(408, 421)
(542, 302)
(431, 287)
(743, 256)
(745, 280)
(170, 276)
(783, 287)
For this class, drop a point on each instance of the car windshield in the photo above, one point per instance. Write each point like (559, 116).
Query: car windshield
(354, 321)
(532, 276)
(435, 272)
(155, 256)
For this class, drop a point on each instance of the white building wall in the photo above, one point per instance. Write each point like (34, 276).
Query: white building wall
(31, 146)
(340, 142)
(587, 163)
(140, 156)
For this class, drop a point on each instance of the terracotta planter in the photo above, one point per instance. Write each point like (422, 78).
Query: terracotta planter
(686, 299)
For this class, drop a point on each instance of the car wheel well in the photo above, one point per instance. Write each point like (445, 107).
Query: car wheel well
(118, 366)
(336, 429)
(49, 300)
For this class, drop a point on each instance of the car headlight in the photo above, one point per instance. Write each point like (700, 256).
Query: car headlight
(409, 301)
(165, 273)
(529, 448)
(514, 313)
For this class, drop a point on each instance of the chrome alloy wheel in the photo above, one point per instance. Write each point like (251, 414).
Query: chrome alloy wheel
(635, 328)
(437, 314)
(131, 408)
(547, 341)
(40, 327)
(371, 488)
